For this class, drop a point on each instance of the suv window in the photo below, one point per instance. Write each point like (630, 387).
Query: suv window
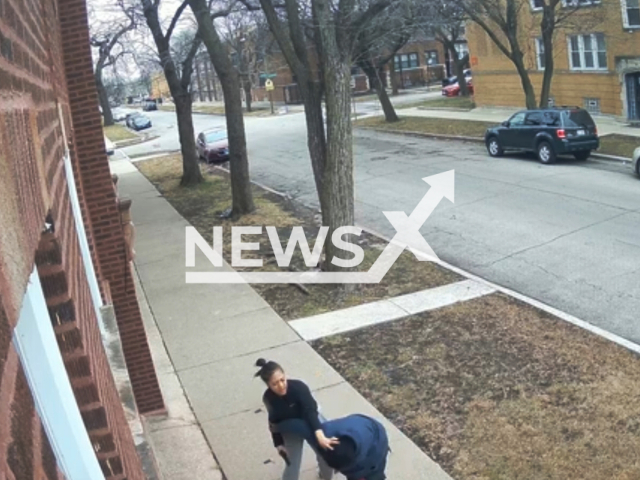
(517, 119)
(533, 118)
(577, 118)
(551, 119)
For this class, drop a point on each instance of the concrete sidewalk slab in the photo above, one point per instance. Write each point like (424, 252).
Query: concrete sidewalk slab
(208, 386)
(213, 335)
(345, 320)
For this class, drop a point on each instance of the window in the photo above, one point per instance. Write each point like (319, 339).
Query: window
(579, 3)
(588, 52)
(551, 119)
(431, 57)
(540, 53)
(592, 105)
(462, 49)
(517, 119)
(631, 13)
(406, 60)
(537, 4)
(533, 119)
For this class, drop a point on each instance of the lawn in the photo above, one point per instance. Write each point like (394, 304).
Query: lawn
(494, 389)
(217, 110)
(465, 103)
(620, 145)
(440, 126)
(118, 133)
(202, 206)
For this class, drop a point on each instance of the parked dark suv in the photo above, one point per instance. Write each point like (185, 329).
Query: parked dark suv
(549, 132)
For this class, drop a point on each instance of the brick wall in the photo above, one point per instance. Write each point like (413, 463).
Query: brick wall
(497, 84)
(101, 204)
(33, 188)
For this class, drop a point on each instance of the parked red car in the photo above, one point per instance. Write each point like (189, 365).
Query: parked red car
(454, 89)
(213, 146)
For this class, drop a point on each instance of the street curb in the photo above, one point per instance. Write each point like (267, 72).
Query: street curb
(425, 135)
(610, 158)
(612, 337)
(634, 347)
(444, 109)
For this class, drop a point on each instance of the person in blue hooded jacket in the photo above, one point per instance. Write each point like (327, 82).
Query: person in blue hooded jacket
(361, 450)
(361, 446)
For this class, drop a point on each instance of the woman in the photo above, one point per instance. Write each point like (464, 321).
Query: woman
(290, 401)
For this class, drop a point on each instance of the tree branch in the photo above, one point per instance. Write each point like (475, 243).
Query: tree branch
(175, 19)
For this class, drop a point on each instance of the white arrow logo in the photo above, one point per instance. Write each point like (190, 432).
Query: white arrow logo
(407, 236)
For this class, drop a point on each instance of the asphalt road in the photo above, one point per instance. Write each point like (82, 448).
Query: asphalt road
(566, 234)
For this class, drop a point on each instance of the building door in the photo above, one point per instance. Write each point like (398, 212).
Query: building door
(633, 96)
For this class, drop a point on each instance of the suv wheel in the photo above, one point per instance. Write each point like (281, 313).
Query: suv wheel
(583, 155)
(545, 153)
(494, 148)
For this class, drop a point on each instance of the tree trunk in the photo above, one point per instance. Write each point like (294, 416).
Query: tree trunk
(316, 144)
(103, 99)
(458, 64)
(191, 174)
(238, 159)
(547, 27)
(200, 96)
(392, 76)
(530, 95)
(387, 107)
(247, 91)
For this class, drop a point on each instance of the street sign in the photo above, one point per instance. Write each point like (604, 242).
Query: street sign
(268, 75)
(268, 85)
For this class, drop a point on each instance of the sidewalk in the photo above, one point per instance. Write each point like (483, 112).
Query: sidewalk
(213, 334)
(606, 125)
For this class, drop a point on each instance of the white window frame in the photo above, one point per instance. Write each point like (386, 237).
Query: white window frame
(625, 16)
(539, 51)
(580, 3)
(35, 342)
(595, 51)
(533, 6)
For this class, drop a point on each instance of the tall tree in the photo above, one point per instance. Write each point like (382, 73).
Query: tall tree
(378, 43)
(230, 82)
(322, 66)
(107, 39)
(179, 81)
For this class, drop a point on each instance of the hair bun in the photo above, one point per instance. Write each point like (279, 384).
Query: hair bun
(261, 362)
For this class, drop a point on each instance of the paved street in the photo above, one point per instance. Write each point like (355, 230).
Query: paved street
(566, 234)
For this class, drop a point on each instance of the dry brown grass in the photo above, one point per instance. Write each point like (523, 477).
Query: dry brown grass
(203, 204)
(118, 133)
(493, 389)
(439, 126)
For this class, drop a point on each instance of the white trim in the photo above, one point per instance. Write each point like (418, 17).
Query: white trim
(539, 48)
(87, 261)
(35, 342)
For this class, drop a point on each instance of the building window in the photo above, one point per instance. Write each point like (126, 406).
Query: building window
(631, 13)
(592, 105)
(406, 60)
(431, 57)
(587, 52)
(579, 3)
(540, 53)
(537, 4)
(462, 49)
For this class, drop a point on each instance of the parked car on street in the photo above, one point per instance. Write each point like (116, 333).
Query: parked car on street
(548, 132)
(635, 161)
(149, 105)
(454, 79)
(119, 114)
(129, 118)
(453, 90)
(213, 146)
(140, 122)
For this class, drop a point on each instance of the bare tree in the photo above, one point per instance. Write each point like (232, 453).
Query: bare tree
(322, 66)
(107, 39)
(378, 43)
(229, 80)
(179, 81)
(502, 20)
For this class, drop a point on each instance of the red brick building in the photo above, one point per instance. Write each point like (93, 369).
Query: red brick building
(63, 260)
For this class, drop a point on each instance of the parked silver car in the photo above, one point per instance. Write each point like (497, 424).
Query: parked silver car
(635, 162)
